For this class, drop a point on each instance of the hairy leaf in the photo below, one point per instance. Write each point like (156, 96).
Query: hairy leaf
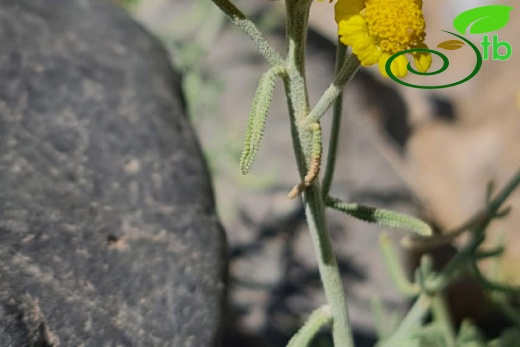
(382, 217)
(258, 117)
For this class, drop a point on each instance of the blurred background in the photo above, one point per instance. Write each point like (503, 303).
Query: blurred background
(426, 153)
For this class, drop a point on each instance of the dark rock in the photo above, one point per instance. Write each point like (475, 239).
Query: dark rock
(108, 235)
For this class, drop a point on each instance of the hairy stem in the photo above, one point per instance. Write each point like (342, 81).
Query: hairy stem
(240, 20)
(395, 269)
(308, 331)
(441, 314)
(345, 74)
(411, 322)
(341, 52)
(298, 101)
(329, 271)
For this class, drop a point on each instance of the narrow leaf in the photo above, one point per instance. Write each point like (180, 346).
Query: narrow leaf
(482, 19)
(317, 320)
(451, 45)
(382, 217)
(395, 267)
(258, 117)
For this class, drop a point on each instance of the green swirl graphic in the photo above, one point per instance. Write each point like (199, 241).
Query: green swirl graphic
(445, 64)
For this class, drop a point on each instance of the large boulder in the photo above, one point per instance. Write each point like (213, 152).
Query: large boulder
(108, 235)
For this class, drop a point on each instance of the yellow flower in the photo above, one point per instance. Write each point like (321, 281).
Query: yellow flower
(377, 29)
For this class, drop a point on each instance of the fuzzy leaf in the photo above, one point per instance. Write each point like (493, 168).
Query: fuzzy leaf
(482, 20)
(395, 268)
(382, 217)
(451, 45)
(317, 320)
(258, 117)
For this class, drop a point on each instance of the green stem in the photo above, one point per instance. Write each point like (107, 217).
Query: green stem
(318, 319)
(506, 191)
(345, 74)
(501, 299)
(465, 255)
(395, 269)
(490, 285)
(295, 81)
(341, 52)
(240, 20)
(411, 322)
(442, 316)
(298, 102)
(378, 313)
(327, 263)
(297, 19)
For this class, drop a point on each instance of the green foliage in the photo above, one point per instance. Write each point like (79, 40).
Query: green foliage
(382, 217)
(317, 320)
(258, 117)
(428, 322)
(432, 284)
(469, 335)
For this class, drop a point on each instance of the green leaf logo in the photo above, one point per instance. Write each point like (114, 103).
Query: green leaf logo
(451, 45)
(482, 19)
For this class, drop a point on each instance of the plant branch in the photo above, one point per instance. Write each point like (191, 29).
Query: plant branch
(411, 322)
(341, 52)
(318, 319)
(395, 269)
(490, 285)
(298, 102)
(345, 74)
(240, 20)
(442, 317)
(478, 236)
(329, 271)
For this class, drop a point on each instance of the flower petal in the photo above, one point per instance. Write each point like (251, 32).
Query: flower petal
(399, 66)
(345, 9)
(354, 25)
(423, 60)
(354, 32)
(370, 55)
(382, 63)
(376, 29)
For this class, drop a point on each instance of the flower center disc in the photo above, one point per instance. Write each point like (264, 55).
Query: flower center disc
(396, 25)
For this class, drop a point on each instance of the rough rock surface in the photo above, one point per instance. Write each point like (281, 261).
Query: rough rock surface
(108, 235)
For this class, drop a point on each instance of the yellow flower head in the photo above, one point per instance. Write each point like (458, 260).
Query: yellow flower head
(377, 29)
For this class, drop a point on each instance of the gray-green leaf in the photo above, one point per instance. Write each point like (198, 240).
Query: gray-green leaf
(382, 217)
(258, 117)
(482, 19)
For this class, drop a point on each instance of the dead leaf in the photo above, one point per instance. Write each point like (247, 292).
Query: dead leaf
(451, 45)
